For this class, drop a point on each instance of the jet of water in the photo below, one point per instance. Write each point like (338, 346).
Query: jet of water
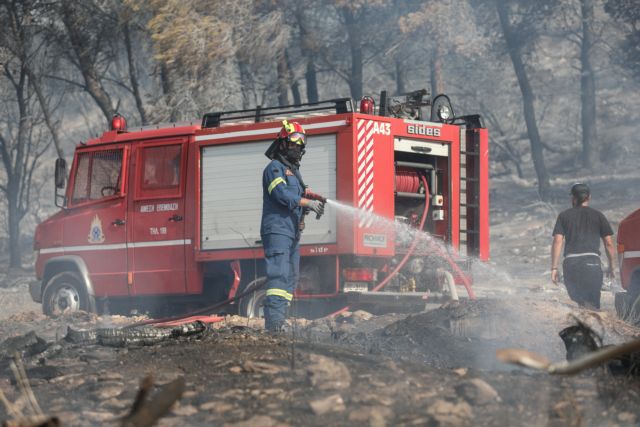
(405, 234)
(406, 231)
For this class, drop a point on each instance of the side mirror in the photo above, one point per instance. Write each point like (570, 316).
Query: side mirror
(61, 172)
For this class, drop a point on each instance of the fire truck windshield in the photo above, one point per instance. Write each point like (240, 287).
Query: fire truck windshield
(97, 175)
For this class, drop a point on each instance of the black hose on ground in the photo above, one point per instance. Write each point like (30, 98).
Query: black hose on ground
(121, 337)
(200, 311)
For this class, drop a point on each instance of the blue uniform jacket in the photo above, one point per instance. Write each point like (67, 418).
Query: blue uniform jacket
(282, 190)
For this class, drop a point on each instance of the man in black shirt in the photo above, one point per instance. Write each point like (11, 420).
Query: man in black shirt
(581, 229)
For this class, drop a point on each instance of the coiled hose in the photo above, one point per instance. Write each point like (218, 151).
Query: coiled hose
(407, 182)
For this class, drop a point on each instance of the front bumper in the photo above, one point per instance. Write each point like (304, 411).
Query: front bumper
(35, 289)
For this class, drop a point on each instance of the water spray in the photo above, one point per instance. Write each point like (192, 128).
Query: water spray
(420, 235)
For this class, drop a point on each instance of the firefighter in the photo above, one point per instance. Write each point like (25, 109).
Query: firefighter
(283, 206)
(580, 228)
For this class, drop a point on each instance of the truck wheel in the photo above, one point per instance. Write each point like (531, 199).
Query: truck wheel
(64, 293)
(251, 305)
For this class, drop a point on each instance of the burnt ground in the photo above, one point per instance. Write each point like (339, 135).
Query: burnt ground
(432, 368)
(437, 367)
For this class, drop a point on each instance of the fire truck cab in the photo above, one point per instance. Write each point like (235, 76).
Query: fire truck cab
(627, 305)
(169, 216)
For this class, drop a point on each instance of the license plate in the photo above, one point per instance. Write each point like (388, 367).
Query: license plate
(356, 287)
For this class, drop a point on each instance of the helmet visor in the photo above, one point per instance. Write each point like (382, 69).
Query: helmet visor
(298, 138)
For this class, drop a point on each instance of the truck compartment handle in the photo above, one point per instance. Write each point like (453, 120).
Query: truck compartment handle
(421, 149)
(118, 222)
(175, 218)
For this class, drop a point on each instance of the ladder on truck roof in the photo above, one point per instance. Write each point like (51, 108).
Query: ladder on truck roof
(256, 115)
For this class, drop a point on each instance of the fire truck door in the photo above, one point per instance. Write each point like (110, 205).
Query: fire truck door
(157, 245)
(94, 223)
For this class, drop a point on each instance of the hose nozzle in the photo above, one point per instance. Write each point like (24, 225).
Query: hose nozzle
(313, 196)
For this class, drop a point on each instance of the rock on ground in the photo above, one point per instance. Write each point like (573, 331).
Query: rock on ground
(328, 374)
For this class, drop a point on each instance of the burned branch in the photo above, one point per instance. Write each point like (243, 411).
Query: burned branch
(147, 410)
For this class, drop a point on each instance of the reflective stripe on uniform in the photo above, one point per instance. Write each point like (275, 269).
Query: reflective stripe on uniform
(289, 127)
(582, 254)
(278, 180)
(280, 293)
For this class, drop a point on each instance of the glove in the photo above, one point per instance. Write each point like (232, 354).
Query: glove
(317, 207)
(314, 196)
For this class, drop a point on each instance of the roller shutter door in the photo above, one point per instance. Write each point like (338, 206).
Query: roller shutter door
(232, 192)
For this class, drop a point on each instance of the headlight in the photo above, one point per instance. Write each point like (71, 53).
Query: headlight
(444, 113)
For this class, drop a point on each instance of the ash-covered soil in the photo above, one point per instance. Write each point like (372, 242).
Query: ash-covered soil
(457, 335)
(437, 367)
(431, 368)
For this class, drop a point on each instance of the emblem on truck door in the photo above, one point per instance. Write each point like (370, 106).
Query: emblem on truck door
(95, 232)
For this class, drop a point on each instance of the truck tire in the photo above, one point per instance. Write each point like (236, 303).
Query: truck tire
(64, 293)
(251, 305)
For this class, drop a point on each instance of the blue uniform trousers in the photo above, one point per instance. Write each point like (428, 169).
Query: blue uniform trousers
(282, 257)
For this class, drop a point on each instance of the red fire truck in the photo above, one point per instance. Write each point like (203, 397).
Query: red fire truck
(169, 216)
(629, 259)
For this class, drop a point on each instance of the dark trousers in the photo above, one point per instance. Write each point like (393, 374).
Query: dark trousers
(282, 259)
(583, 279)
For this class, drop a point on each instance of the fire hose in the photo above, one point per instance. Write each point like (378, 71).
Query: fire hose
(201, 311)
(174, 320)
(407, 183)
(175, 326)
(415, 242)
(433, 244)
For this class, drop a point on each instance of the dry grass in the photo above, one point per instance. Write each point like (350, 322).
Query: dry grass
(630, 316)
(24, 410)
